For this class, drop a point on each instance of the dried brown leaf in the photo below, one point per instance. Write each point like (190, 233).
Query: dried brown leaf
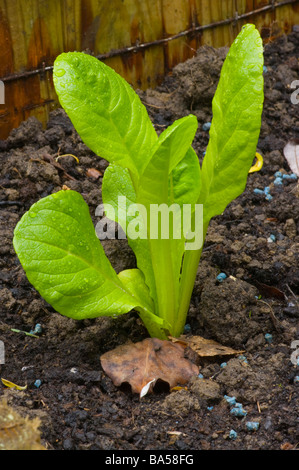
(149, 360)
(17, 432)
(270, 291)
(291, 153)
(207, 347)
(93, 173)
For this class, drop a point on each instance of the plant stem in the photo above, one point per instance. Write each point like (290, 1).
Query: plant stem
(189, 271)
(165, 284)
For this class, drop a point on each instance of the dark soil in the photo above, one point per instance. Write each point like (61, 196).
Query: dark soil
(79, 407)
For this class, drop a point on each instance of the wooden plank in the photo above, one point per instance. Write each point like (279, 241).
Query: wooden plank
(34, 32)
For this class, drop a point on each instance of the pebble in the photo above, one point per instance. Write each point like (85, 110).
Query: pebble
(268, 423)
(68, 444)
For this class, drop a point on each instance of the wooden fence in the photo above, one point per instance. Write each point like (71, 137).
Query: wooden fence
(141, 39)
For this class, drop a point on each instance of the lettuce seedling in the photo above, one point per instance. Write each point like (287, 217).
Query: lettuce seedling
(56, 240)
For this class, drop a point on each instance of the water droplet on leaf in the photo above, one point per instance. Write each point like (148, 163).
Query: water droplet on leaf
(59, 72)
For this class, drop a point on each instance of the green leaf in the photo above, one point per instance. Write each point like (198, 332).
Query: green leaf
(185, 180)
(105, 110)
(180, 176)
(117, 184)
(134, 282)
(153, 193)
(63, 259)
(237, 109)
(166, 154)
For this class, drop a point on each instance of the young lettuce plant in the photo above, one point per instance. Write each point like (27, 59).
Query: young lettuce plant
(56, 241)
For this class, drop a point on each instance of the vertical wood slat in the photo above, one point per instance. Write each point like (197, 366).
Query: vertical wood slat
(34, 32)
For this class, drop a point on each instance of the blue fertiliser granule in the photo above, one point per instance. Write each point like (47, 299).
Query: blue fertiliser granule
(230, 400)
(258, 191)
(238, 411)
(232, 434)
(280, 177)
(37, 329)
(243, 358)
(206, 126)
(291, 177)
(252, 425)
(278, 181)
(268, 337)
(265, 192)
